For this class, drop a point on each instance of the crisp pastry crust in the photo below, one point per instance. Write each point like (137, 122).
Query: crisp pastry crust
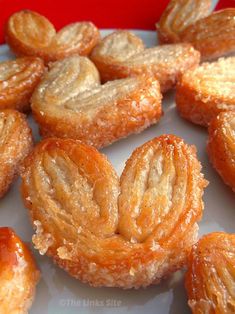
(221, 146)
(31, 34)
(203, 93)
(18, 79)
(15, 143)
(214, 35)
(106, 232)
(71, 103)
(211, 277)
(18, 274)
(178, 15)
(122, 54)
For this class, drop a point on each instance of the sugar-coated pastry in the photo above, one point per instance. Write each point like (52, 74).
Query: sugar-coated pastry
(203, 93)
(71, 103)
(221, 146)
(123, 54)
(214, 35)
(210, 278)
(18, 274)
(31, 34)
(15, 143)
(109, 232)
(178, 15)
(18, 79)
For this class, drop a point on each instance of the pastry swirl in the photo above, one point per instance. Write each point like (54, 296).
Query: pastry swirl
(221, 146)
(106, 232)
(123, 54)
(203, 93)
(210, 278)
(178, 15)
(214, 35)
(18, 79)
(15, 143)
(31, 34)
(71, 103)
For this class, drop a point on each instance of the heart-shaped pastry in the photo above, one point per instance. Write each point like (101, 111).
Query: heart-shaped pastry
(221, 146)
(71, 103)
(106, 232)
(31, 34)
(203, 93)
(15, 143)
(122, 54)
(214, 35)
(18, 274)
(18, 79)
(178, 15)
(210, 278)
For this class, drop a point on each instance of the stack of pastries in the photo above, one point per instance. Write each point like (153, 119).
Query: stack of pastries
(85, 93)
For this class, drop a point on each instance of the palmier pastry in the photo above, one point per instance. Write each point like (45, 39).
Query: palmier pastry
(214, 35)
(18, 78)
(206, 91)
(71, 103)
(31, 34)
(178, 15)
(210, 278)
(221, 146)
(106, 232)
(15, 144)
(18, 274)
(122, 54)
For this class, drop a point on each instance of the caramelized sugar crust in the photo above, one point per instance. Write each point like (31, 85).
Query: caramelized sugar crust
(203, 93)
(31, 34)
(214, 35)
(18, 274)
(123, 54)
(71, 103)
(109, 232)
(18, 79)
(15, 143)
(221, 146)
(210, 277)
(178, 15)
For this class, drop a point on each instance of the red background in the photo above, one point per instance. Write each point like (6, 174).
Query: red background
(104, 13)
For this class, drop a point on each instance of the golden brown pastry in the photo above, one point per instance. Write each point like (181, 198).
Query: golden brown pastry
(18, 79)
(31, 34)
(221, 146)
(123, 54)
(18, 274)
(210, 278)
(109, 232)
(203, 93)
(71, 103)
(178, 15)
(214, 35)
(15, 143)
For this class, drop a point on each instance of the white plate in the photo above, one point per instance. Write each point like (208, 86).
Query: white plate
(58, 293)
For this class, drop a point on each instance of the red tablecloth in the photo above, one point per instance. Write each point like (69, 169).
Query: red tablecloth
(104, 13)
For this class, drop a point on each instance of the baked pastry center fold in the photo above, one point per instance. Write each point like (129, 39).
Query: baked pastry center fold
(137, 229)
(122, 54)
(70, 102)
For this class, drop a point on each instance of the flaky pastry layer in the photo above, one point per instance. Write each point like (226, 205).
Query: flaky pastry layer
(109, 232)
(203, 93)
(123, 54)
(211, 275)
(15, 144)
(71, 103)
(221, 146)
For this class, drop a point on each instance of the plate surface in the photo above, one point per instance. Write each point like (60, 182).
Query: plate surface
(58, 293)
